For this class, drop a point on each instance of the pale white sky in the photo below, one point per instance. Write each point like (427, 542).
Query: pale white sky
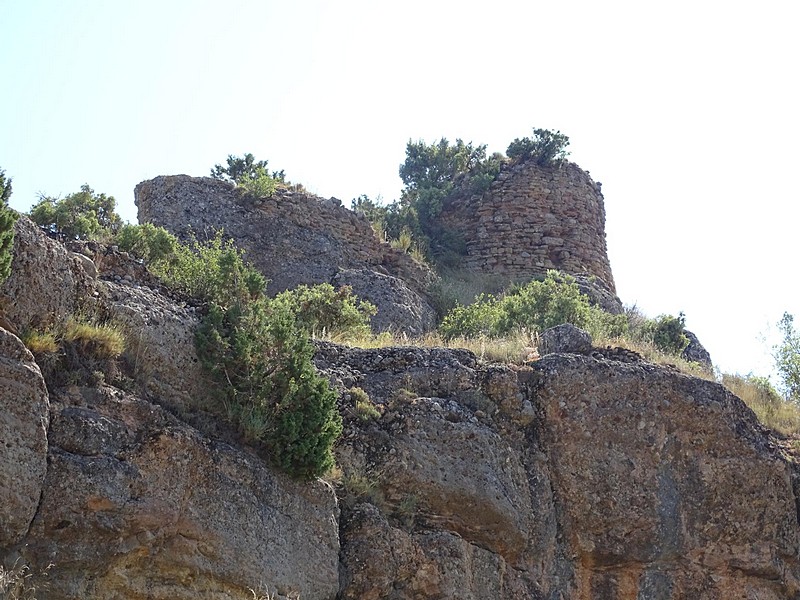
(687, 112)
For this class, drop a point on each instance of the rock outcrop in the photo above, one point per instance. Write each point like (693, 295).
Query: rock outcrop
(579, 477)
(137, 504)
(586, 474)
(296, 238)
(24, 417)
(48, 283)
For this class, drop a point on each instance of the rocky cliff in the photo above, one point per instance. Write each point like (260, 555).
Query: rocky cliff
(297, 238)
(588, 474)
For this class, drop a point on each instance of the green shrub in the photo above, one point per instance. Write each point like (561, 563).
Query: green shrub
(258, 354)
(321, 308)
(7, 219)
(533, 307)
(245, 167)
(250, 175)
(431, 174)
(213, 271)
(260, 361)
(82, 215)
(148, 242)
(669, 334)
(787, 357)
(545, 147)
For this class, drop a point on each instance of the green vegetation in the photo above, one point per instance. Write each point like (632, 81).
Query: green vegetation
(83, 215)
(321, 310)
(258, 354)
(545, 147)
(787, 358)
(432, 174)
(212, 271)
(148, 242)
(533, 308)
(7, 219)
(252, 176)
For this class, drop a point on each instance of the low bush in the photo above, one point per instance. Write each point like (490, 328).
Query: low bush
(257, 353)
(148, 242)
(533, 307)
(213, 271)
(322, 309)
(545, 147)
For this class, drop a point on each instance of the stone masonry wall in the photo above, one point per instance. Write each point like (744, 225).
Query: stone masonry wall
(533, 219)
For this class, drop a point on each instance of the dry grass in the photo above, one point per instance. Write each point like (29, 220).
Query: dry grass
(101, 341)
(772, 410)
(514, 349)
(651, 353)
(19, 583)
(40, 342)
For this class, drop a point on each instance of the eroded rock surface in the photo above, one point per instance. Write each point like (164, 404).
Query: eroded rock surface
(137, 504)
(296, 238)
(24, 418)
(666, 486)
(47, 283)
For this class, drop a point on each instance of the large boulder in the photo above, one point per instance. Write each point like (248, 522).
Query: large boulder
(24, 418)
(137, 504)
(48, 283)
(667, 486)
(296, 238)
(400, 309)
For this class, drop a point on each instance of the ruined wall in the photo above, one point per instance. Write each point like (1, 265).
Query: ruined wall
(533, 219)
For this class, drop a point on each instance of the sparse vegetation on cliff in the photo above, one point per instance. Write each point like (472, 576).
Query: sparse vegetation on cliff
(252, 176)
(258, 354)
(7, 219)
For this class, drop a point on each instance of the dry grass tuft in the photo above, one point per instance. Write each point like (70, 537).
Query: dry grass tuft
(772, 410)
(100, 341)
(40, 342)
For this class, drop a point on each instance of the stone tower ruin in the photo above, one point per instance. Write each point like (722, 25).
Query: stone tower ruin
(534, 218)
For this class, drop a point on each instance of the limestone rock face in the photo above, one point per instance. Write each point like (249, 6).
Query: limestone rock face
(294, 238)
(454, 509)
(666, 485)
(579, 477)
(46, 283)
(160, 336)
(399, 308)
(24, 418)
(139, 505)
